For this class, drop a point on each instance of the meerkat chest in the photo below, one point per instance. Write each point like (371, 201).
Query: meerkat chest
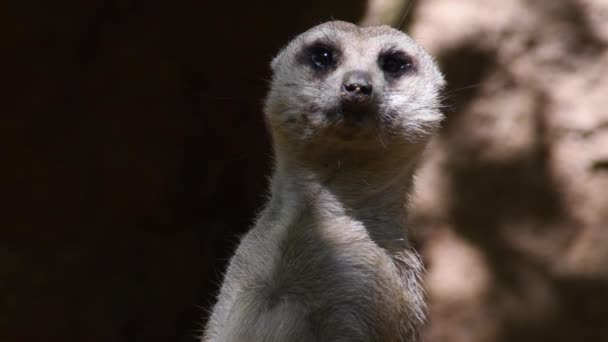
(335, 276)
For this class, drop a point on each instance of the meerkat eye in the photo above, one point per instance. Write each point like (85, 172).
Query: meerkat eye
(322, 57)
(396, 63)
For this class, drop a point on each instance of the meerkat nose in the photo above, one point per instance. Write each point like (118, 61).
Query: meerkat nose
(357, 87)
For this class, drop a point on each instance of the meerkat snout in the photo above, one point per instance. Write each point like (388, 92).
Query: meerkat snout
(356, 97)
(357, 87)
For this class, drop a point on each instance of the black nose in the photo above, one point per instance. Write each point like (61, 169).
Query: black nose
(357, 87)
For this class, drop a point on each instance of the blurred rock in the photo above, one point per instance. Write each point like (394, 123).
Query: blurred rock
(518, 179)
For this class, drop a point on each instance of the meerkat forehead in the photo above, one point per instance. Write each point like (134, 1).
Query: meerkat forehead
(338, 80)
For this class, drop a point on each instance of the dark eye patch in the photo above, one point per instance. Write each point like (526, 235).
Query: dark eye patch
(320, 56)
(395, 63)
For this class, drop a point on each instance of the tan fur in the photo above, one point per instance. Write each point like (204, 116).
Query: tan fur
(328, 258)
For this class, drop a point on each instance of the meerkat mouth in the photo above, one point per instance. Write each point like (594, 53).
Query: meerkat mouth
(353, 115)
(357, 113)
(350, 123)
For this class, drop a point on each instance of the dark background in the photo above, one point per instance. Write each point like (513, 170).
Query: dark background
(134, 154)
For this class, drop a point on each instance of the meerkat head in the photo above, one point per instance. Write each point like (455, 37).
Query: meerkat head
(338, 84)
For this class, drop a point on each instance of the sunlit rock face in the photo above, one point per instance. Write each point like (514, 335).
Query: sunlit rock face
(512, 204)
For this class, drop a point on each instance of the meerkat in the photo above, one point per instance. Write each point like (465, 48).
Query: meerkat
(350, 110)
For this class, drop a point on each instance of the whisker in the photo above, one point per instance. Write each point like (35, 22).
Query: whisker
(451, 91)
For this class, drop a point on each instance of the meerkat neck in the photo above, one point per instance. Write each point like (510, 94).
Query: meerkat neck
(368, 189)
